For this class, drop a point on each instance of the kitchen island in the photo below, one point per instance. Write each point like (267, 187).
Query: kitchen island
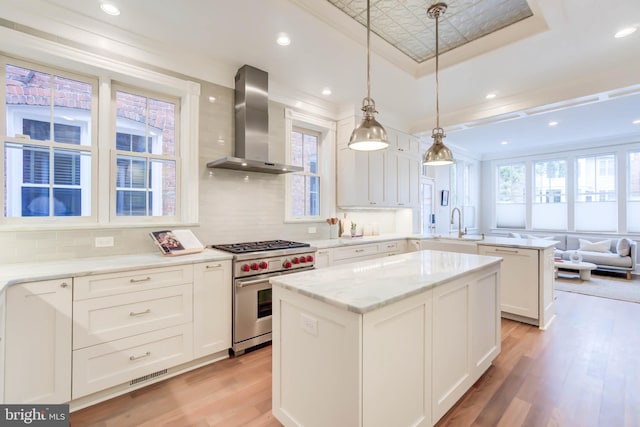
(390, 341)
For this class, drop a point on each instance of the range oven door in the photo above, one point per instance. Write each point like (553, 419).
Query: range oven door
(252, 311)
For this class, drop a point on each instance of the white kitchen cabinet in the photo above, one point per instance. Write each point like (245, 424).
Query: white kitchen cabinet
(37, 365)
(527, 283)
(413, 245)
(211, 307)
(385, 178)
(324, 258)
(353, 253)
(466, 337)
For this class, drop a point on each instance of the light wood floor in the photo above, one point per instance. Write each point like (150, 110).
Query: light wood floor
(584, 371)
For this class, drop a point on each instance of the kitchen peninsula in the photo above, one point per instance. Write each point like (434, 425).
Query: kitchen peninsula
(389, 341)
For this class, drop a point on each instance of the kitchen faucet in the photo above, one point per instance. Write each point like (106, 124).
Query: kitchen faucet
(460, 232)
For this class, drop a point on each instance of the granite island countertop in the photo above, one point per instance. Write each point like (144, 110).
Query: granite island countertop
(364, 286)
(12, 274)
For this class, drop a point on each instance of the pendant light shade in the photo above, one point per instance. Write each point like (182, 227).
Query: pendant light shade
(369, 135)
(438, 154)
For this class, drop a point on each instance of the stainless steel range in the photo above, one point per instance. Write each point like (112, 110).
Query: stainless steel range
(253, 264)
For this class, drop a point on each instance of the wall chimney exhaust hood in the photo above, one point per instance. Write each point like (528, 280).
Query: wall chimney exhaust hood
(252, 126)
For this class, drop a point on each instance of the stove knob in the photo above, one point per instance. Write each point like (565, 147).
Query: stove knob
(287, 264)
(254, 266)
(245, 267)
(303, 259)
(310, 258)
(296, 260)
(263, 265)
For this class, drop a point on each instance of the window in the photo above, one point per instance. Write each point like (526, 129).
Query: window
(310, 141)
(146, 162)
(305, 186)
(549, 210)
(633, 191)
(51, 146)
(596, 208)
(48, 144)
(511, 196)
(464, 192)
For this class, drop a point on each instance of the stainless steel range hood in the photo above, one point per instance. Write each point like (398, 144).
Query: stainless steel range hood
(252, 126)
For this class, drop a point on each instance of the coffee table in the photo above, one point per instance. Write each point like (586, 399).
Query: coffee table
(583, 268)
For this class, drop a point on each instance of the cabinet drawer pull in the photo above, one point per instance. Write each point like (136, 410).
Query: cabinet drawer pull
(509, 251)
(359, 250)
(147, 354)
(372, 203)
(146, 279)
(214, 266)
(391, 246)
(400, 149)
(140, 313)
(64, 284)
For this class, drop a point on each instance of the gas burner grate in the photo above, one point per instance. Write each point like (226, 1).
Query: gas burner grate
(266, 245)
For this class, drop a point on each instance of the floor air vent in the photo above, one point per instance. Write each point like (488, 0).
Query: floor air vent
(148, 377)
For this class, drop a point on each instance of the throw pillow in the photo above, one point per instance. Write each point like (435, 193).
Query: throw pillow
(516, 235)
(602, 246)
(623, 248)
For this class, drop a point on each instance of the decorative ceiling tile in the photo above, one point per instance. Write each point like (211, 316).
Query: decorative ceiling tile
(405, 24)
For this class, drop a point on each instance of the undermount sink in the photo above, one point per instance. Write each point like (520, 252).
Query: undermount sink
(470, 237)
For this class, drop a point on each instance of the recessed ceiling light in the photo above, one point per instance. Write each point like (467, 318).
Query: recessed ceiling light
(110, 9)
(212, 99)
(625, 32)
(636, 122)
(490, 95)
(504, 142)
(326, 91)
(283, 39)
(553, 123)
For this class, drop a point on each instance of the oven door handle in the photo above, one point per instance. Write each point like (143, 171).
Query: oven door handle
(242, 284)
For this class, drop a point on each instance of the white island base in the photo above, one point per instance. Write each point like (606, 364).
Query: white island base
(403, 361)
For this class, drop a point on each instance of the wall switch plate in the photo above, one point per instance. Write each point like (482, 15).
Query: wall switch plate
(104, 242)
(309, 324)
(311, 230)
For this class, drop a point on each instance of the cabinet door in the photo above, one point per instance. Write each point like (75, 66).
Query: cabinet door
(211, 307)
(38, 348)
(519, 285)
(404, 178)
(377, 178)
(390, 178)
(452, 371)
(323, 258)
(353, 178)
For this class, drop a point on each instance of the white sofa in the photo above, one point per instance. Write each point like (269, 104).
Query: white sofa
(609, 254)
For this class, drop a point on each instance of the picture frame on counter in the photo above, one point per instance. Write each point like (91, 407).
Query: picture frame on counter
(444, 198)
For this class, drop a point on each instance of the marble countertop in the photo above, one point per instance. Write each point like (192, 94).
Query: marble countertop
(472, 239)
(368, 285)
(11, 274)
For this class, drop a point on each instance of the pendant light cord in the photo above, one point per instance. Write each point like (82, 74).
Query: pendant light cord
(437, 81)
(368, 53)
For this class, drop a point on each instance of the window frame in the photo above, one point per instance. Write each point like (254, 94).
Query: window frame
(66, 59)
(326, 159)
(149, 157)
(23, 113)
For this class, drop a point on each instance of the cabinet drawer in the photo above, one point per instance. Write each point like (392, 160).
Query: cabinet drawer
(101, 285)
(99, 320)
(102, 366)
(389, 247)
(354, 251)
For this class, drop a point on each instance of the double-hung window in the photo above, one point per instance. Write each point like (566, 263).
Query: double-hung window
(305, 185)
(146, 154)
(511, 200)
(49, 147)
(596, 207)
(633, 191)
(549, 207)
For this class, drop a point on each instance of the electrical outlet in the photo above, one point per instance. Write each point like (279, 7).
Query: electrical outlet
(309, 324)
(104, 242)
(311, 230)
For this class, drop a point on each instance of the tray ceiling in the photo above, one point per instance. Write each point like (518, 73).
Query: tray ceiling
(405, 25)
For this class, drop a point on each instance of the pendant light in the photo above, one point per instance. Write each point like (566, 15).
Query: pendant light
(438, 154)
(369, 135)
